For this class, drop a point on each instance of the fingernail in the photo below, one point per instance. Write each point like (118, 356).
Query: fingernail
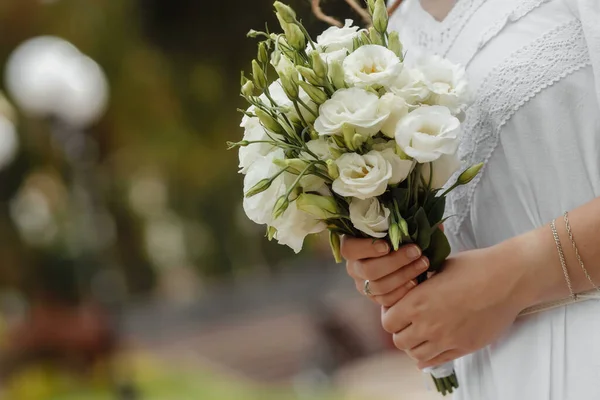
(382, 247)
(424, 264)
(413, 252)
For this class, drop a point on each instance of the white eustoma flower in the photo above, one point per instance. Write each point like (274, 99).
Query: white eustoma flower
(362, 176)
(443, 169)
(428, 132)
(410, 86)
(446, 82)
(294, 225)
(355, 107)
(335, 39)
(278, 95)
(397, 108)
(259, 208)
(371, 66)
(253, 131)
(400, 168)
(320, 148)
(370, 217)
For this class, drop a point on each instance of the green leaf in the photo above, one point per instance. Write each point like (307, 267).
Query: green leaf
(401, 195)
(438, 251)
(436, 212)
(423, 229)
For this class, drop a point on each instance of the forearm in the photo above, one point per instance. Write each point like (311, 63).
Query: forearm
(535, 256)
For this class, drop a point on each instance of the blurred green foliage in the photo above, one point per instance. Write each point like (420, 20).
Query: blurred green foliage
(173, 69)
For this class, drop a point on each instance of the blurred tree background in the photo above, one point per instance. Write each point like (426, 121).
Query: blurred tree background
(172, 190)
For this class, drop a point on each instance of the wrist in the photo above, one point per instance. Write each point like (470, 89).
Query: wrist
(533, 259)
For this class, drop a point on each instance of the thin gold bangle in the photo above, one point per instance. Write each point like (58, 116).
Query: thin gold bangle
(583, 268)
(561, 255)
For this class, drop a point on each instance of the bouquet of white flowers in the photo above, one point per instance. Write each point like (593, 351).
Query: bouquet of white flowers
(350, 140)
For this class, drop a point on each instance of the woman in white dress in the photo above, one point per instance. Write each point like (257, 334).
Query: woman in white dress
(534, 66)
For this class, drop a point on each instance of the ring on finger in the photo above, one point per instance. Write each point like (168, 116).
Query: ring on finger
(367, 288)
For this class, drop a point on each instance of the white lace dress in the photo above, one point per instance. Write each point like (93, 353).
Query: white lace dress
(535, 69)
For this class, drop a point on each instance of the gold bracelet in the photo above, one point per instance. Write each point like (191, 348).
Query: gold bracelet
(561, 255)
(585, 271)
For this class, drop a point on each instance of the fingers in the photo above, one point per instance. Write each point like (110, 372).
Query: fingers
(408, 340)
(359, 249)
(395, 319)
(399, 278)
(389, 299)
(376, 268)
(443, 358)
(424, 352)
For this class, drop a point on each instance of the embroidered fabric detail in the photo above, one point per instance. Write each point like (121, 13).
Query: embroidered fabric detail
(521, 10)
(439, 41)
(526, 73)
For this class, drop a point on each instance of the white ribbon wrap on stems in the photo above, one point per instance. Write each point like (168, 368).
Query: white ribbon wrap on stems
(441, 371)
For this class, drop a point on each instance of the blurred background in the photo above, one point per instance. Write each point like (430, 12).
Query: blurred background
(128, 269)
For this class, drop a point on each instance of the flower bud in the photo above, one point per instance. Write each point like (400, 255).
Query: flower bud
(365, 38)
(357, 141)
(349, 133)
(314, 135)
(375, 36)
(258, 74)
(233, 145)
(260, 187)
(290, 87)
(335, 243)
(319, 66)
(339, 141)
(248, 89)
(332, 169)
(469, 174)
(380, 16)
(263, 53)
(271, 233)
(371, 6)
(315, 94)
(252, 33)
(309, 75)
(295, 37)
(356, 43)
(281, 205)
(275, 57)
(293, 165)
(403, 227)
(321, 207)
(395, 235)
(337, 75)
(394, 44)
(269, 122)
(286, 12)
(335, 152)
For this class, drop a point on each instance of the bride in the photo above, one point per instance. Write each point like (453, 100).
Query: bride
(535, 70)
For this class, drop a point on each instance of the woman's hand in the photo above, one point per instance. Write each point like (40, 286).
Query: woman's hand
(391, 275)
(467, 306)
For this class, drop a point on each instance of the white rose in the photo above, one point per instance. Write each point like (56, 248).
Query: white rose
(259, 208)
(400, 168)
(294, 225)
(372, 65)
(278, 95)
(356, 107)
(362, 176)
(335, 39)
(370, 217)
(443, 169)
(446, 81)
(398, 109)
(427, 133)
(410, 86)
(253, 131)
